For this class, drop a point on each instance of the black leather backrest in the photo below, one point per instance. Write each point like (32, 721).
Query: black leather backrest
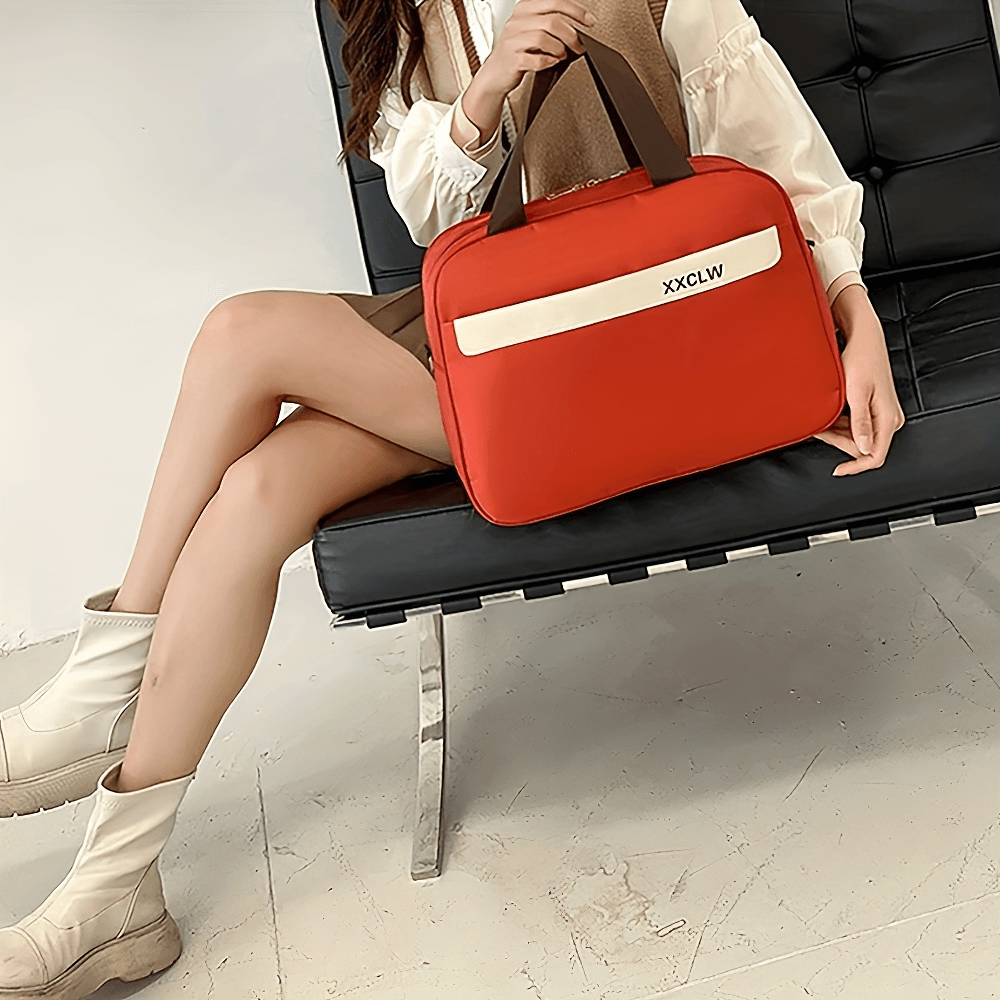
(909, 93)
(907, 90)
(393, 260)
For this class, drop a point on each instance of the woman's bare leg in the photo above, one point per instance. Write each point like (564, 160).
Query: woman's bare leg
(254, 351)
(219, 600)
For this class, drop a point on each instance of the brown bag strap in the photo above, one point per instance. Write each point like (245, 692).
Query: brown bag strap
(643, 137)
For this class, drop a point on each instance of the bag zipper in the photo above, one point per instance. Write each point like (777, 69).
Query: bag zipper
(582, 184)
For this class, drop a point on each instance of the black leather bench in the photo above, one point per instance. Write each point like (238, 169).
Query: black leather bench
(909, 93)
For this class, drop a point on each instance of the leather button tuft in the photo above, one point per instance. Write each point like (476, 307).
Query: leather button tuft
(876, 173)
(864, 73)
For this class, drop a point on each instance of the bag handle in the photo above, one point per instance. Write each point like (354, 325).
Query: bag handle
(643, 137)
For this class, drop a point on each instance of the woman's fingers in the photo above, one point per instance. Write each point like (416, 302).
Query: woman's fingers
(884, 421)
(839, 436)
(861, 418)
(555, 21)
(537, 35)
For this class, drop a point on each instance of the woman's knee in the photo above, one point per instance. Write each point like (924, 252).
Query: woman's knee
(243, 327)
(231, 322)
(253, 487)
(251, 332)
(267, 490)
(235, 346)
(257, 514)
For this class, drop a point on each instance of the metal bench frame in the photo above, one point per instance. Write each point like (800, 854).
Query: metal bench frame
(428, 830)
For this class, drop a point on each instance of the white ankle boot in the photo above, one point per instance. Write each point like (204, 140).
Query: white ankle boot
(55, 745)
(107, 919)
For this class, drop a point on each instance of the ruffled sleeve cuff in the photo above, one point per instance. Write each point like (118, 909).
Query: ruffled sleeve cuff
(836, 257)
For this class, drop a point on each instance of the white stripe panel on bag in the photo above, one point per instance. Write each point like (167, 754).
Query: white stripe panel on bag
(628, 293)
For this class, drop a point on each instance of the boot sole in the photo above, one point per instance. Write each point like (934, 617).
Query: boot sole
(136, 955)
(55, 788)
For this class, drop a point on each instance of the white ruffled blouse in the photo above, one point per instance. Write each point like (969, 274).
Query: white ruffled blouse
(739, 99)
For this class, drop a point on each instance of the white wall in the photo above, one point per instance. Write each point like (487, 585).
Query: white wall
(156, 158)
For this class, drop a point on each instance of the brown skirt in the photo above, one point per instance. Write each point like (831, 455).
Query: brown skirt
(399, 315)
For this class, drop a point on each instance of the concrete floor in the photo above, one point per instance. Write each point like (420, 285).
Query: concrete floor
(776, 779)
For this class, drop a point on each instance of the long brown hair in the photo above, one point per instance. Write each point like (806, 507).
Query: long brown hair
(369, 55)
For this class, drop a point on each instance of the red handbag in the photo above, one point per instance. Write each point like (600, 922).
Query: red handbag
(652, 325)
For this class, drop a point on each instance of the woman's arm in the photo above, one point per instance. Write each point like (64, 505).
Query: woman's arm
(432, 180)
(742, 102)
(485, 105)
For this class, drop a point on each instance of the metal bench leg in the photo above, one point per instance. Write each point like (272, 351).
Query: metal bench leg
(427, 834)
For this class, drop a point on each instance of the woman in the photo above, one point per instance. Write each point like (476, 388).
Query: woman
(131, 712)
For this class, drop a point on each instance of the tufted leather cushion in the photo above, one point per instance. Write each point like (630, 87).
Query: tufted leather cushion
(943, 333)
(909, 93)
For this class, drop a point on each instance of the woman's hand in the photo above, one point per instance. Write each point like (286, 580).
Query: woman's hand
(537, 35)
(871, 394)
